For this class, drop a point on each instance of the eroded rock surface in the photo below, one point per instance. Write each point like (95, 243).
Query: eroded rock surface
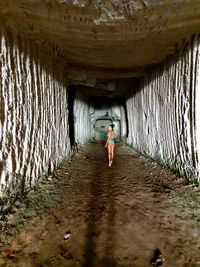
(33, 122)
(164, 115)
(48, 45)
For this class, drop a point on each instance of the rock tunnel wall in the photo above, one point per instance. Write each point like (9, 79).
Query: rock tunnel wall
(164, 112)
(82, 119)
(33, 114)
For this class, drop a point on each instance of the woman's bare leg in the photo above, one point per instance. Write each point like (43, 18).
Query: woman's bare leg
(110, 154)
(113, 148)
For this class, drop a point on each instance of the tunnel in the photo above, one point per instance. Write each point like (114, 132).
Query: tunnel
(68, 70)
(103, 107)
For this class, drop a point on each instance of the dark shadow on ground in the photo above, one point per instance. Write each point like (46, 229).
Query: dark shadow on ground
(96, 207)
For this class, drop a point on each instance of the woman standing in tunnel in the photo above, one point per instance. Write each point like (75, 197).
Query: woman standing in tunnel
(110, 144)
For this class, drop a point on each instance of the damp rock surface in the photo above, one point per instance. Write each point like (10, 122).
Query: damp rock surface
(33, 115)
(163, 112)
(131, 214)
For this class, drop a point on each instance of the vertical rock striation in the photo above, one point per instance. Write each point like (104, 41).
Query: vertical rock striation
(33, 112)
(164, 112)
(82, 119)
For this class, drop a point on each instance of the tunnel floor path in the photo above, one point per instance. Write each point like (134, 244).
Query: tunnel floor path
(134, 213)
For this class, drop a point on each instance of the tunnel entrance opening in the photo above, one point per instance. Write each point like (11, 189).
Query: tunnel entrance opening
(105, 111)
(93, 108)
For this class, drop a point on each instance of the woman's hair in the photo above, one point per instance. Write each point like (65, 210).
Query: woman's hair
(112, 126)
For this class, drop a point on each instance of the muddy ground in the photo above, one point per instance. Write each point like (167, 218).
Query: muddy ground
(134, 213)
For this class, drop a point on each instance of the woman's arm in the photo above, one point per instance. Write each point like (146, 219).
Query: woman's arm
(106, 142)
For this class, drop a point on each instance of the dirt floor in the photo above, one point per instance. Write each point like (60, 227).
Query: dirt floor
(134, 213)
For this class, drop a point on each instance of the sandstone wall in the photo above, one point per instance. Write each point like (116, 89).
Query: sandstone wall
(82, 119)
(33, 112)
(164, 112)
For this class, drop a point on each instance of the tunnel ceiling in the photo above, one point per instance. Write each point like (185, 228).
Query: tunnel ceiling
(105, 39)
